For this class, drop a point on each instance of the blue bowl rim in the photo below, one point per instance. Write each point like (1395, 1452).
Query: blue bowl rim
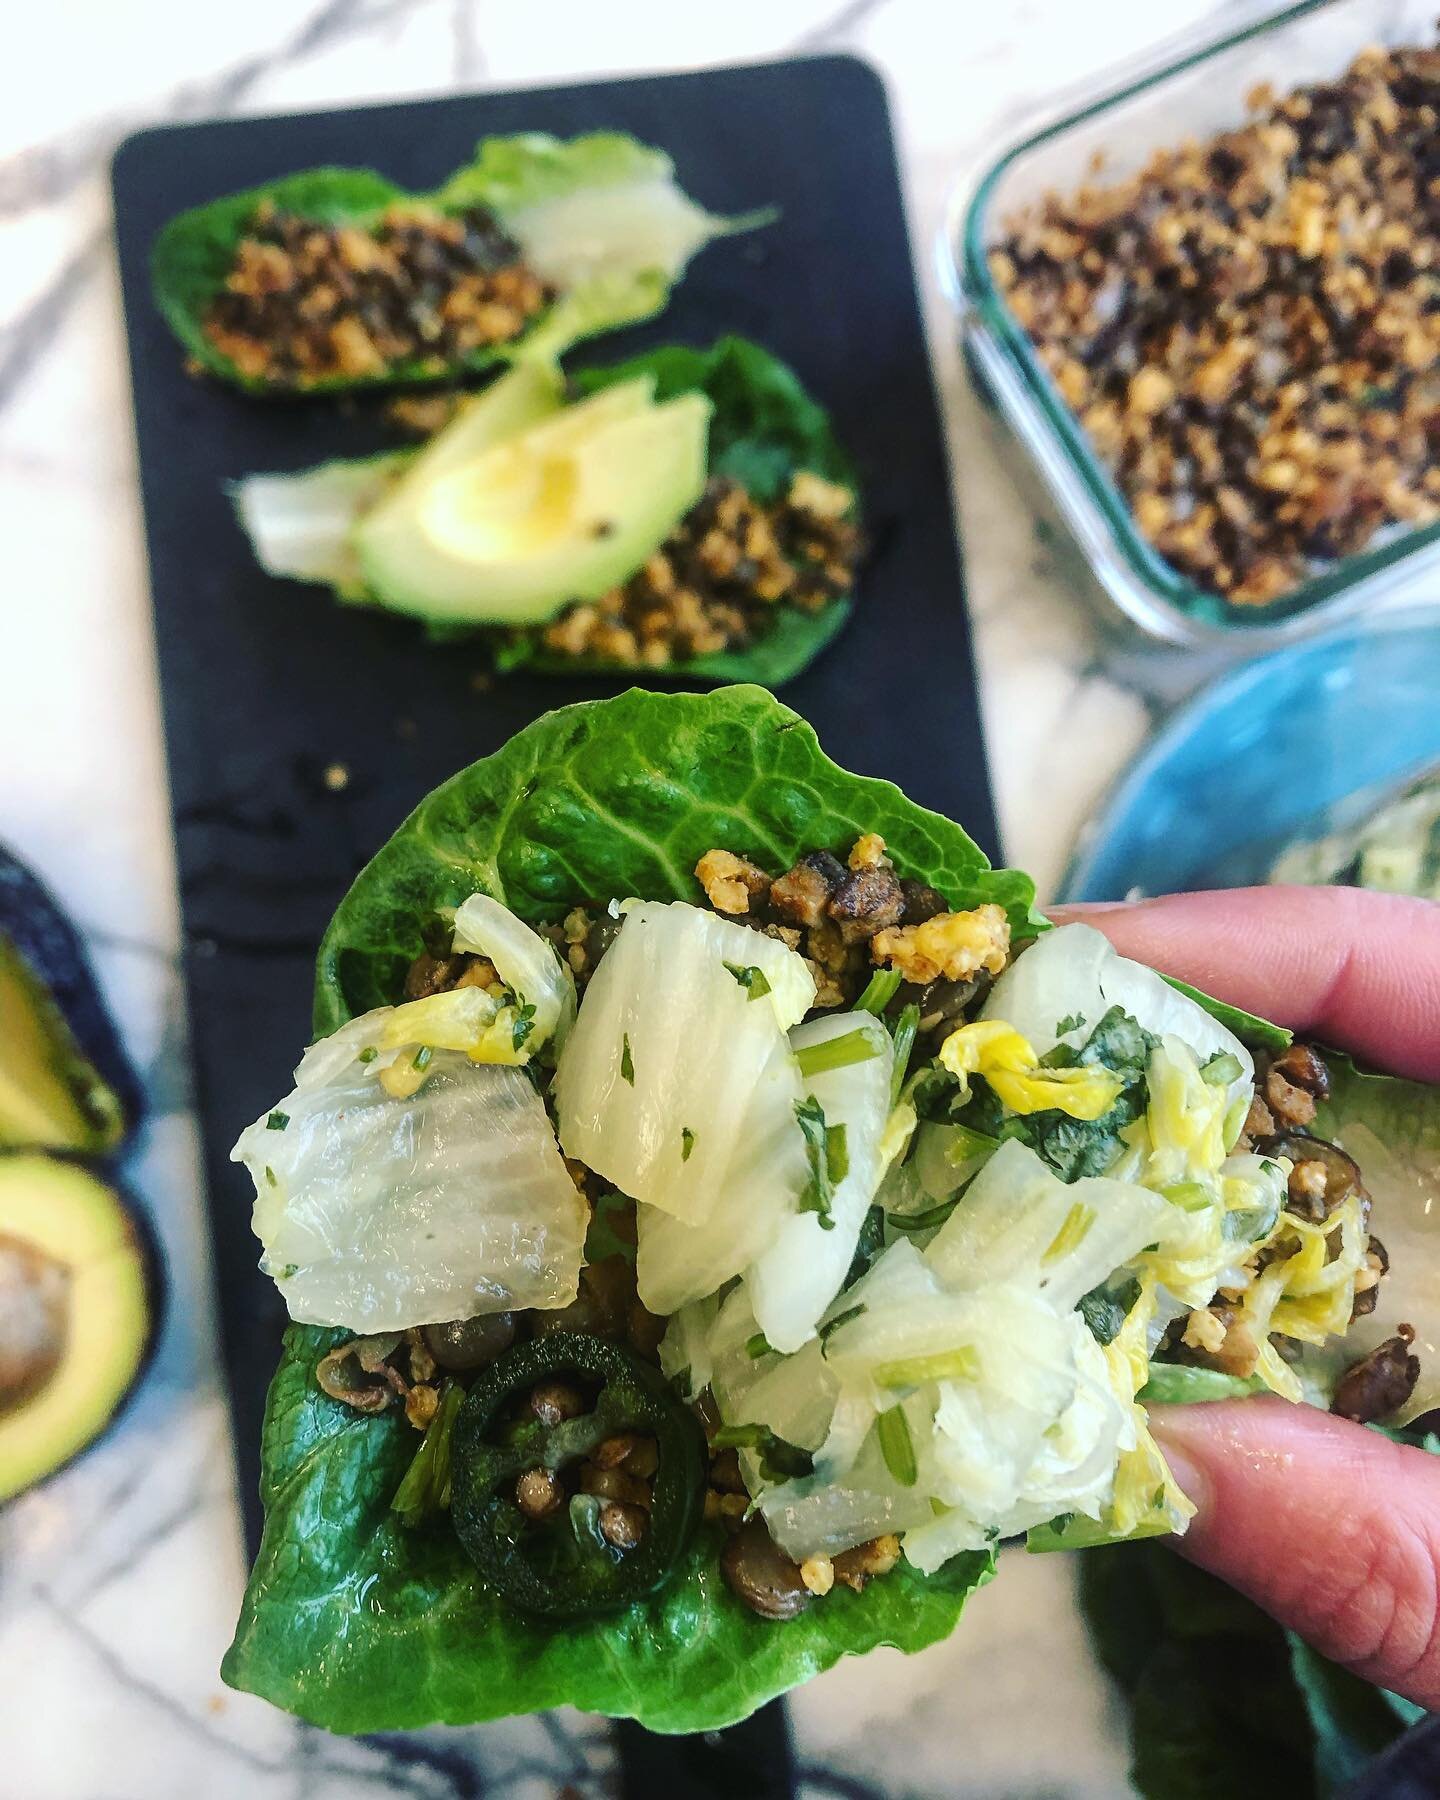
(1223, 690)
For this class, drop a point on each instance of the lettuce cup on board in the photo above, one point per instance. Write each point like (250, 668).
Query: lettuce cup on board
(718, 1211)
(333, 279)
(688, 513)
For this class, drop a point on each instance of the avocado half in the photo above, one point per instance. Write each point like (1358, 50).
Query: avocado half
(79, 1304)
(65, 1082)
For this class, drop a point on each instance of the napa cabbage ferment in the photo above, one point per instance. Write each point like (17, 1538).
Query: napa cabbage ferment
(751, 1142)
(1071, 1188)
(413, 1174)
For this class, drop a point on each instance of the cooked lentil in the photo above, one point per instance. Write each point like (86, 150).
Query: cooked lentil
(718, 579)
(306, 302)
(1248, 330)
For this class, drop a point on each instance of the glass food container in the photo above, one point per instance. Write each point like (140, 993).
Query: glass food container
(1192, 87)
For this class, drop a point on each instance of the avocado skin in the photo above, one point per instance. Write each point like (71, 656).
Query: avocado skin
(50, 947)
(144, 1247)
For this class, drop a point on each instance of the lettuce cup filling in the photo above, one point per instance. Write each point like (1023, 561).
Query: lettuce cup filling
(728, 1271)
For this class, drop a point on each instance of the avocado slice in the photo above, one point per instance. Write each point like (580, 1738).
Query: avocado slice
(77, 1313)
(65, 1082)
(509, 528)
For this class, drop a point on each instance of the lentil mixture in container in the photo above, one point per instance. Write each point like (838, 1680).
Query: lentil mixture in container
(1226, 355)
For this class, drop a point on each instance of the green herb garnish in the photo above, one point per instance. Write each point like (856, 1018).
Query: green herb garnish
(627, 1062)
(750, 978)
(960, 1364)
(523, 1026)
(880, 990)
(906, 1027)
(779, 1460)
(828, 1154)
(896, 1445)
(1222, 1069)
(277, 1121)
(836, 1053)
(422, 1059)
(687, 1143)
(368, 1054)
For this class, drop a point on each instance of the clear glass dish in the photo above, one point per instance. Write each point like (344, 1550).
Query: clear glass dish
(1190, 87)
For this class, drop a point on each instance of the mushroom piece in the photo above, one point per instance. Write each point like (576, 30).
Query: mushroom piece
(1307, 1199)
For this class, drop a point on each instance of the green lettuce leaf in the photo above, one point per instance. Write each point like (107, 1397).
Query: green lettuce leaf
(639, 232)
(357, 1623)
(764, 428)
(620, 797)
(1258, 1034)
(350, 1620)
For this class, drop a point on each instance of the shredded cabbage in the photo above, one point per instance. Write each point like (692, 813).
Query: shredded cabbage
(528, 965)
(678, 1072)
(377, 1213)
(800, 1272)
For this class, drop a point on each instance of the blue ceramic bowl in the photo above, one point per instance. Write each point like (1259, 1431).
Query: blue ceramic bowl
(1283, 748)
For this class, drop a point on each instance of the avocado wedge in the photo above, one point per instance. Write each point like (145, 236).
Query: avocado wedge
(599, 220)
(537, 499)
(77, 1312)
(65, 1082)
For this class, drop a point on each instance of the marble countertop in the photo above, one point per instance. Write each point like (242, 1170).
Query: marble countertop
(119, 1581)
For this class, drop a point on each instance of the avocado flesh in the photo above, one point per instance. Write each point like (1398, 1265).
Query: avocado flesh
(561, 512)
(51, 1096)
(75, 1313)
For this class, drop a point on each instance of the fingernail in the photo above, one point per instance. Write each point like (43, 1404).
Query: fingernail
(1190, 1476)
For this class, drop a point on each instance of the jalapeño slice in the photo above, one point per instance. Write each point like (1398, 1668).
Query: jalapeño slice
(562, 1566)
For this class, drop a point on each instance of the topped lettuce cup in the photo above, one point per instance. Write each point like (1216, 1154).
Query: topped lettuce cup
(718, 1211)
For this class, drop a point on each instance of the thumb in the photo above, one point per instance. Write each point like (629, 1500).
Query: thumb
(1333, 1529)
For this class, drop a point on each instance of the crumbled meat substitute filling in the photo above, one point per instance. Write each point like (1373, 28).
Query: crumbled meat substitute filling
(1248, 330)
(720, 579)
(306, 302)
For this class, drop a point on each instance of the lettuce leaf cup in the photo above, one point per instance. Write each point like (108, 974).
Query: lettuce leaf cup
(687, 512)
(334, 279)
(718, 1210)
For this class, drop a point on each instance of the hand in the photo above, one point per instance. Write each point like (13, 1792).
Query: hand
(1333, 1529)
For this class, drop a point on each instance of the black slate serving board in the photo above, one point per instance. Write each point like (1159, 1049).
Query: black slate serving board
(300, 733)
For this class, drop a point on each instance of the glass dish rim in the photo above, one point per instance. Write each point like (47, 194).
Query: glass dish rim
(975, 290)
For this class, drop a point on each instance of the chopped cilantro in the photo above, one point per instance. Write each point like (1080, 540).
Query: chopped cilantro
(687, 1143)
(897, 1446)
(828, 1154)
(523, 1026)
(1071, 1022)
(627, 1062)
(277, 1121)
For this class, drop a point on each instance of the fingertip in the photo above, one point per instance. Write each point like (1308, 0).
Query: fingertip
(1333, 1529)
(1355, 968)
